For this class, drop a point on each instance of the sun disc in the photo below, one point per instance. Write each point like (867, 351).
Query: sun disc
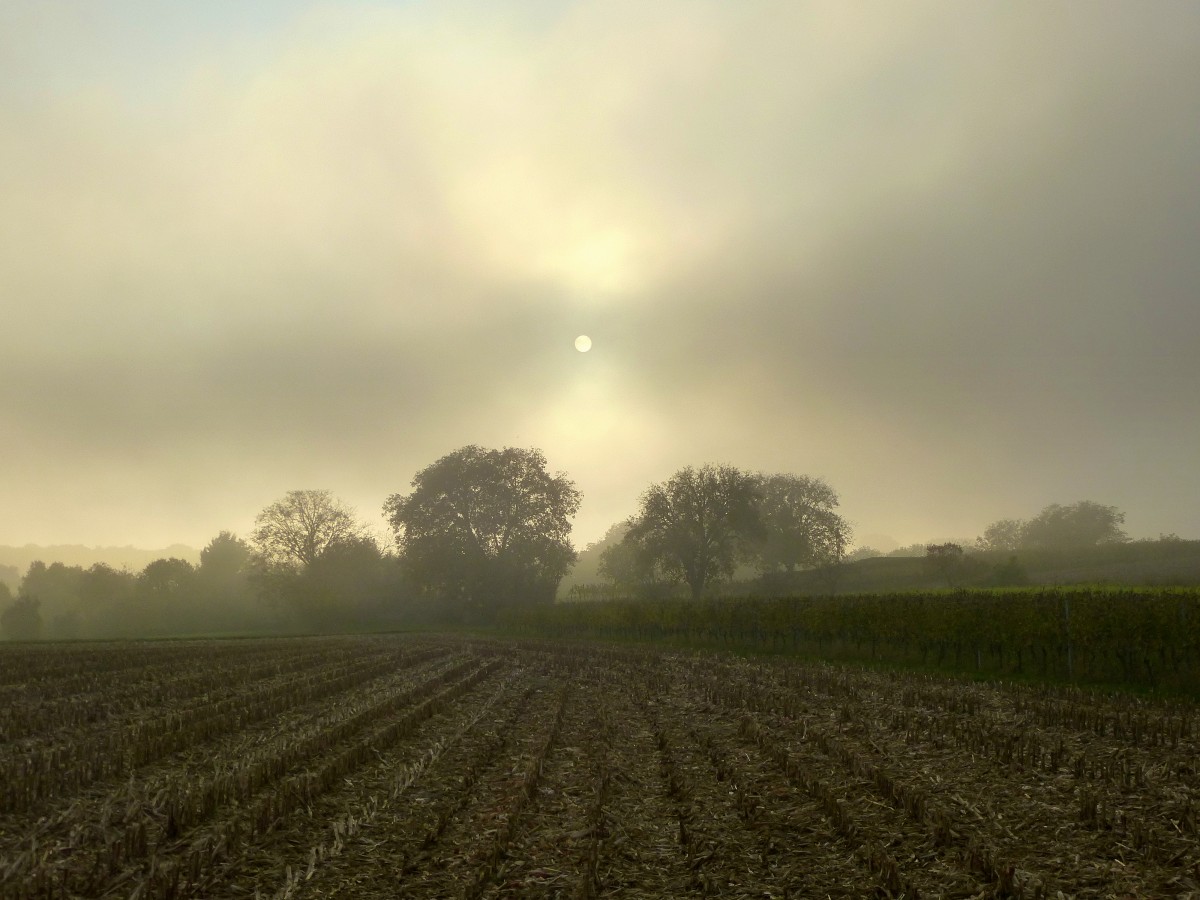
(583, 343)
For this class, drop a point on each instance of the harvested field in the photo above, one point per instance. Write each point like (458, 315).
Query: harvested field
(447, 767)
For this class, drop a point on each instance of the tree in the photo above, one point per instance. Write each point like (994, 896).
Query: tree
(802, 527)
(223, 575)
(166, 594)
(342, 588)
(224, 561)
(485, 528)
(700, 524)
(60, 592)
(22, 620)
(1004, 535)
(1082, 524)
(585, 573)
(945, 561)
(630, 566)
(293, 532)
(223, 585)
(106, 604)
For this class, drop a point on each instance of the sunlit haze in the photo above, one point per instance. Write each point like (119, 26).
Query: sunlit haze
(941, 255)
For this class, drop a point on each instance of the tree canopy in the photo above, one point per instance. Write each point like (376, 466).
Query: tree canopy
(295, 531)
(801, 526)
(1003, 535)
(486, 528)
(1082, 524)
(698, 525)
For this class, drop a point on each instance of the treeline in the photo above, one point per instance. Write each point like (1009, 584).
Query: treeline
(484, 535)
(1144, 638)
(482, 530)
(234, 589)
(169, 596)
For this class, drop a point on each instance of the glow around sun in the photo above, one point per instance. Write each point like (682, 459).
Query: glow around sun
(583, 343)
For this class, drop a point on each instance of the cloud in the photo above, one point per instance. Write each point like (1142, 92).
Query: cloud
(940, 255)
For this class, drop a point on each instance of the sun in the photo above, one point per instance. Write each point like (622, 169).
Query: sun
(583, 343)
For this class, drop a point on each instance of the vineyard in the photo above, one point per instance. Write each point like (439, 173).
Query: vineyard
(446, 767)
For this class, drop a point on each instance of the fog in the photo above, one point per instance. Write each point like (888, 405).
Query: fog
(940, 256)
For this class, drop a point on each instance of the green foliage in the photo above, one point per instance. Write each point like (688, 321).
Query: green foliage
(484, 529)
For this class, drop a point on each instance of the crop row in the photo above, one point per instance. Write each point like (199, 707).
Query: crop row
(498, 770)
(138, 691)
(30, 774)
(239, 804)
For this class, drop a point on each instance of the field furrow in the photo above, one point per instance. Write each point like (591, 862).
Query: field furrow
(429, 767)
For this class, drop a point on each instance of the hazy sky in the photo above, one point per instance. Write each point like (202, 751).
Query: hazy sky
(944, 255)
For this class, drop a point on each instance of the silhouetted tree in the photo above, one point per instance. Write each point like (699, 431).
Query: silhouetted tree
(223, 586)
(106, 605)
(1004, 535)
(801, 525)
(343, 587)
(294, 531)
(224, 562)
(60, 592)
(167, 596)
(1082, 524)
(631, 566)
(486, 528)
(697, 526)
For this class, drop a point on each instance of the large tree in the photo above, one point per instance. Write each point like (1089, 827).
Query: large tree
(631, 566)
(1057, 527)
(699, 524)
(224, 561)
(1082, 524)
(485, 528)
(292, 533)
(802, 527)
(1003, 535)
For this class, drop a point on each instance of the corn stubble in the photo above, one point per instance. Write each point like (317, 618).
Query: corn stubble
(454, 767)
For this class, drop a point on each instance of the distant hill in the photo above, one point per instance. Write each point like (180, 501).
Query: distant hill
(133, 558)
